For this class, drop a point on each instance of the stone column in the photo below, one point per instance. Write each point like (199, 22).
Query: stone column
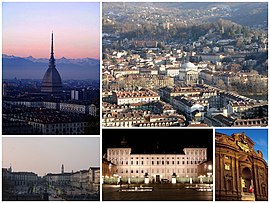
(238, 178)
(257, 180)
(222, 172)
(234, 179)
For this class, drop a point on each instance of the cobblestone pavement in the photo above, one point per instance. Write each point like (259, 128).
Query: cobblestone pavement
(160, 192)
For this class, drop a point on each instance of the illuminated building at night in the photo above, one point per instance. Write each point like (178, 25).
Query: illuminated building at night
(156, 166)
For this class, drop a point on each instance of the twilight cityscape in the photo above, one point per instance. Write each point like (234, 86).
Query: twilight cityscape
(50, 169)
(55, 96)
(157, 164)
(185, 64)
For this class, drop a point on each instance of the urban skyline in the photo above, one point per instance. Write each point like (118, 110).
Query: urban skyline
(75, 33)
(46, 155)
(184, 64)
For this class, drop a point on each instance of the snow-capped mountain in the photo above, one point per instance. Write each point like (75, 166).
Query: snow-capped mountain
(30, 67)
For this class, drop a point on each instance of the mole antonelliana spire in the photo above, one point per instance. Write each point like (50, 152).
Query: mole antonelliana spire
(51, 82)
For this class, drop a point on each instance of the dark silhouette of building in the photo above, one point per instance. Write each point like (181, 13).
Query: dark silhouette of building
(51, 82)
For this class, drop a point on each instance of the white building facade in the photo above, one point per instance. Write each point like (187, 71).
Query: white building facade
(156, 166)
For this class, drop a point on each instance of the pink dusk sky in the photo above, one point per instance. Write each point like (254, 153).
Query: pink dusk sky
(44, 155)
(27, 29)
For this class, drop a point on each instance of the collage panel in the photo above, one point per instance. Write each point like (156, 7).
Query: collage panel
(176, 110)
(51, 68)
(50, 169)
(241, 164)
(184, 64)
(157, 164)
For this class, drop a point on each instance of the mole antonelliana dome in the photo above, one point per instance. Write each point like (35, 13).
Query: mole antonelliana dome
(51, 82)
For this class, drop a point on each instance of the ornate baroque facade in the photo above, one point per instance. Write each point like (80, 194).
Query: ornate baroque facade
(241, 172)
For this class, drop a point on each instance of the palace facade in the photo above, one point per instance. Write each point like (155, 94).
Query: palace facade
(156, 166)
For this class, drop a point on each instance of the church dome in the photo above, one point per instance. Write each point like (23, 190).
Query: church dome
(188, 66)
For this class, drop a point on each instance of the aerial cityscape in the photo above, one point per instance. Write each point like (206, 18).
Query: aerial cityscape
(184, 64)
(55, 96)
(50, 169)
(157, 164)
(241, 164)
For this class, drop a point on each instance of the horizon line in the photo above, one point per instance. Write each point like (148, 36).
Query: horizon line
(47, 172)
(48, 57)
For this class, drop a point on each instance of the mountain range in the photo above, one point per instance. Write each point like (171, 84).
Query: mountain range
(35, 68)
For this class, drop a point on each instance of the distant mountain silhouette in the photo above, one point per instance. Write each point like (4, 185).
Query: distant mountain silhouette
(35, 68)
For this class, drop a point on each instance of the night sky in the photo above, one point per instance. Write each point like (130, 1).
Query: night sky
(159, 141)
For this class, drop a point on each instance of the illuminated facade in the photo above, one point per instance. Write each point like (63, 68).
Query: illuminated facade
(156, 166)
(241, 172)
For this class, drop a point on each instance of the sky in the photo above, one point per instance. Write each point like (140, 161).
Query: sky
(259, 136)
(27, 29)
(46, 155)
(167, 140)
